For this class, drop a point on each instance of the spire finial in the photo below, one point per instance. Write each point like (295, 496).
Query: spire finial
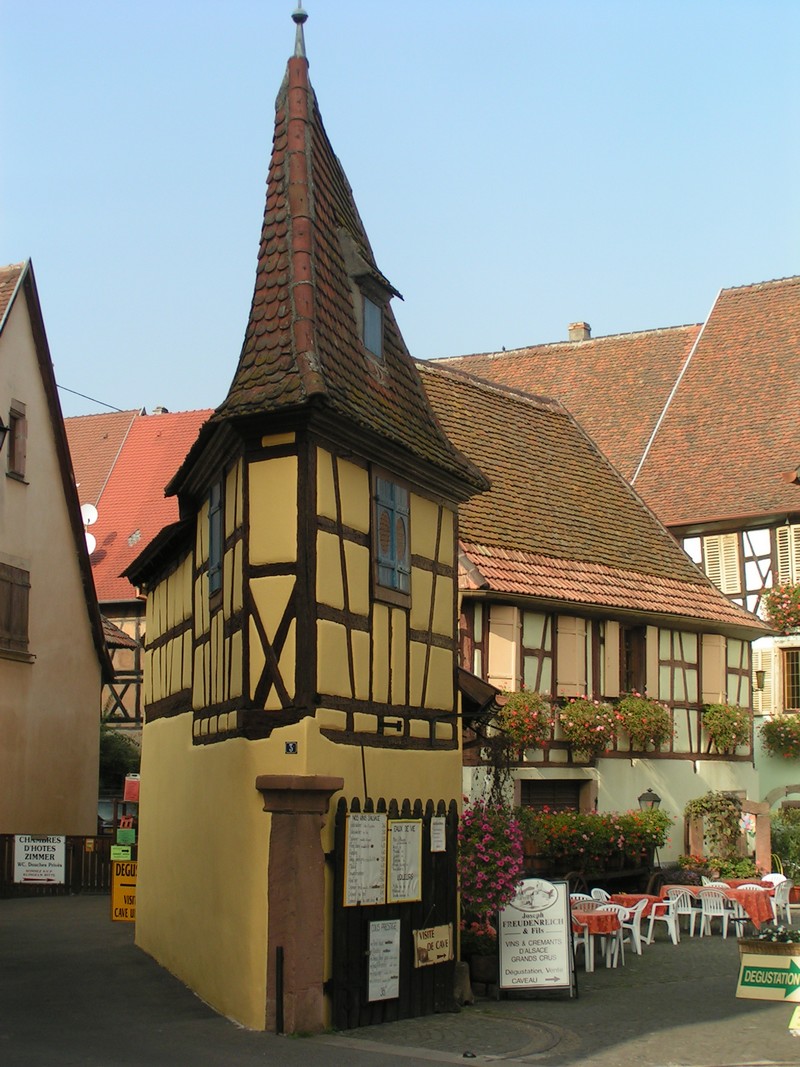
(299, 17)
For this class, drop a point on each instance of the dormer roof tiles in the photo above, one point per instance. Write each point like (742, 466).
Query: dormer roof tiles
(560, 523)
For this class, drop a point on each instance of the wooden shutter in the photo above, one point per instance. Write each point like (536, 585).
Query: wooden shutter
(14, 587)
(765, 701)
(721, 556)
(788, 553)
(571, 657)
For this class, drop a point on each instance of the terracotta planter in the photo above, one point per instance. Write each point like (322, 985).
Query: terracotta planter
(768, 948)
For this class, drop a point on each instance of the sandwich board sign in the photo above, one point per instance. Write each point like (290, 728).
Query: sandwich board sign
(534, 937)
(767, 977)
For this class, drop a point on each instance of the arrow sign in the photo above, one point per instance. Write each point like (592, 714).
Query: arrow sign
(769, 978)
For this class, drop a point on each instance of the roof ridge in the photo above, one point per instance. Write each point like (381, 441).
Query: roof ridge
(567, 343)
(761, 285)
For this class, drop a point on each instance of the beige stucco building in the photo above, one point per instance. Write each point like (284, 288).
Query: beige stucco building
(53, 659)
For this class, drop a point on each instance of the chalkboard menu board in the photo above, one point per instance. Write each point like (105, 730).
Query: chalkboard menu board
(365, 859)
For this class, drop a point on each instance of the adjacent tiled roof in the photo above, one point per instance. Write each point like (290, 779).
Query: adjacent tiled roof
(732, 430)
(115, 637)
(132, 507)
(615, 386)
(560, 523)
(9, 277)
(94, 444)
(303, 342)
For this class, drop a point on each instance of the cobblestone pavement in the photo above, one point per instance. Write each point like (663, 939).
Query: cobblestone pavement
(74, 990)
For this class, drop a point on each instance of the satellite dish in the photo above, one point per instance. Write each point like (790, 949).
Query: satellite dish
(91, 542)
(88, 514)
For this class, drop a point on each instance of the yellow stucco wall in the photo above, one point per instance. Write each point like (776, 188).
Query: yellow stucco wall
(202, 906)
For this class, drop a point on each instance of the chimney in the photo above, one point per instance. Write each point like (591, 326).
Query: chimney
(579, 331)
(160, 410)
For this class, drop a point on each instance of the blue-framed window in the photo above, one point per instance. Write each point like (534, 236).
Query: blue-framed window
(215, 539)
(392, 540)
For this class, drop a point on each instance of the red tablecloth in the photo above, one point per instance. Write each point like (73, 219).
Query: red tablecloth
(630, 900)
(597, 922)
(734, 883)
(755, 902)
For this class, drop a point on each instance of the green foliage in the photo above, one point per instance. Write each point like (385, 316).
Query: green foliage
(119, 756)
(593, 841)
(781, 736)
(721, 815)
(647, 721)
(786, 841)
(739, 867)
(785, 935)
(727, 725)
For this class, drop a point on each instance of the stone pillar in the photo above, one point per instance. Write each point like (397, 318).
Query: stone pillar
(296, 897)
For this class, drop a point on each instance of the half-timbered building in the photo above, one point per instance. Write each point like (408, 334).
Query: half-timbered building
(701, 420)
(571, 587)
(301, 613)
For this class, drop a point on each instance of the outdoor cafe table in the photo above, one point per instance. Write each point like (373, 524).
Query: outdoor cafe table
(593, 923)
(755, 902)
(630, 900)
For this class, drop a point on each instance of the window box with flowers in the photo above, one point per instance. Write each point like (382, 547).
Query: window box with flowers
(781, 736)
(773, 939)
(647, 721)
(589, 726)
(781, 605)
(526, 719)
(727, 726)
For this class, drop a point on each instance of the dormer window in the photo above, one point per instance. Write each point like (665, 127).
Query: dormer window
(373, 327)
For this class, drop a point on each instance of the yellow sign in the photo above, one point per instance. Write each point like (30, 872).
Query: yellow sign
(123, 891)
(434, 945)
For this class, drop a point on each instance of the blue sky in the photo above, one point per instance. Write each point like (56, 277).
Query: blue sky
(517, 166)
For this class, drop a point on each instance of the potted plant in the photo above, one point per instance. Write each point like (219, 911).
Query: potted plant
(489, 863)
(781, 605)
(772, 939)
(647, 721)
(728, 726)
(526, 718)
(781, 736)
(590, 726)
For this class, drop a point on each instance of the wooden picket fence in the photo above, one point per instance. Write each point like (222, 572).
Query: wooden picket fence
(87, 869)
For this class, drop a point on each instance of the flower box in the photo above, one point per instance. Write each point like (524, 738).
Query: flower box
(756, 947)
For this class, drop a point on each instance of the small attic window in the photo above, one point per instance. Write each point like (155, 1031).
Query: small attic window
(373, 327)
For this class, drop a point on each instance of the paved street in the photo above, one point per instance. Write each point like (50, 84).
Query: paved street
(74, 990)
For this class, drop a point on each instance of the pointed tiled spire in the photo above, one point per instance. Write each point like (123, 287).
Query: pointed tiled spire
(304, 339)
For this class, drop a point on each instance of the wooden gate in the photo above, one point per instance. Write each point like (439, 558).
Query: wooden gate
(422, 990)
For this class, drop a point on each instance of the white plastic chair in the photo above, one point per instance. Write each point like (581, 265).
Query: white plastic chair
(578, 898)
(601, 895)
(633, 924)
(684, 905)
(615, 943)
(664, 911)
(774, 878)
(780, 901)
(714, 905)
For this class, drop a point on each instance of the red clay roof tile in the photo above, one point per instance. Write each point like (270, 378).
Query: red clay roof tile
(559, 521)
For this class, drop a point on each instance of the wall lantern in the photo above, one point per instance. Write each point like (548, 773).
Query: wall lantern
(759, 674)
(649, 800)
(3, 433)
